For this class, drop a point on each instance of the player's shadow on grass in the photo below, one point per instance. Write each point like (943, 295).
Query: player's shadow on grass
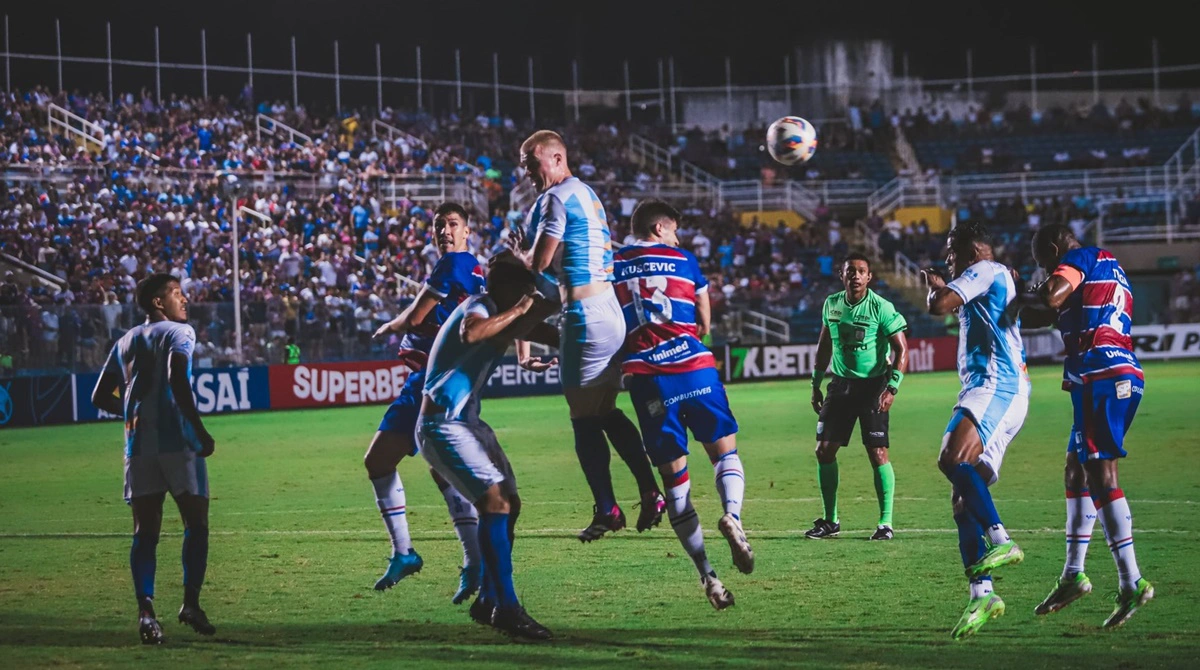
(668, 647)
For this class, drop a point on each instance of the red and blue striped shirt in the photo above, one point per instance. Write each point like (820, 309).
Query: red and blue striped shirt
(657, 287)
(1096, 322)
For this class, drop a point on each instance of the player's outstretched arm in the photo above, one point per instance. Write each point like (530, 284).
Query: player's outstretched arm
(513, 322)
(942, 299)
(1054, 292)
(412, 315)
(181, 389)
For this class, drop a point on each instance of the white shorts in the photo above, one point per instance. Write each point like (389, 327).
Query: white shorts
(177, 473)
(591, 332)
(466, 454)
(997, 416)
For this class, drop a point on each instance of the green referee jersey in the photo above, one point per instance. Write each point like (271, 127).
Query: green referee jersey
(860, 333)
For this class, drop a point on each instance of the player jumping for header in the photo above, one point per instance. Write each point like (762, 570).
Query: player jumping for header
(1089, 294)
(674, 385)
(990, 411)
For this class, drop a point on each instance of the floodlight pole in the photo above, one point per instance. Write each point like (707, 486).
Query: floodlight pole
(237, 282)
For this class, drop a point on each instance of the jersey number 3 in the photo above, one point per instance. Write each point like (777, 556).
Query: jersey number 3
(650, 299)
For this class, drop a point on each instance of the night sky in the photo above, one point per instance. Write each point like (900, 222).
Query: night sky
(756, 35)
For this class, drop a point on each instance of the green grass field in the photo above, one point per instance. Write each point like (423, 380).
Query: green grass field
(297, 544)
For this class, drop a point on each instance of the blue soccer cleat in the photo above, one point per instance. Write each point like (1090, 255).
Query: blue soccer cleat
(469, 580)
(401, 566)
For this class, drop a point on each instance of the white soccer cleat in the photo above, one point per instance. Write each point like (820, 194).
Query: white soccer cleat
(743, 555)
(718, 595)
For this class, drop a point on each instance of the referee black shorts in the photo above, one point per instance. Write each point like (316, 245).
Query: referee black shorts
(849, 400)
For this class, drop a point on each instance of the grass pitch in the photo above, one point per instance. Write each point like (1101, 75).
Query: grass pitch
(297, 544)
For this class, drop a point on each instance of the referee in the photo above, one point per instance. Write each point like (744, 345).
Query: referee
(857, 327)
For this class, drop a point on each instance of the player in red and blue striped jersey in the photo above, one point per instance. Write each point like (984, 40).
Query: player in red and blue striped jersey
(1089, 291)
(456, 276)
(674, 384)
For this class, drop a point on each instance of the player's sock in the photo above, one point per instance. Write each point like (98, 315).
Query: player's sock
(1081, 520)
(827, 475)
(885, 490)
(970, 538)
(981, 586)
(684, 519)
(466, 523)
(592, 450)
(626, 439)
(497, 558)
(195, 563)
(487, 591)
(143, 562)
(389, 495)
(731, 482)
(978, 501)
(1113, 510)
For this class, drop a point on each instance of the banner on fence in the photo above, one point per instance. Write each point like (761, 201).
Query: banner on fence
(336, 384)
(217, 390)
(1181, 340)
(35, 401)
(510, 379)
(788, 361)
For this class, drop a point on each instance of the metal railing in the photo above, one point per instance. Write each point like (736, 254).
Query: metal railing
(869, 239)
(390, 133)
(754, 195)
(1183, 173)
(74, 126)
(272, 127)
(908, 271)
(1168, 226)
(768, 328)
(648, 154)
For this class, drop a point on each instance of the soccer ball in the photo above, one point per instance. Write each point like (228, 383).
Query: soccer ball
(791, 140)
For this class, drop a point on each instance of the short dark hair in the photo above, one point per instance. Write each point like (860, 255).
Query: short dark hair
(1058, 234)
(508, 275)
(153, 287)
(649, 212)
(450, 207)
(855, 256)
(970, 233)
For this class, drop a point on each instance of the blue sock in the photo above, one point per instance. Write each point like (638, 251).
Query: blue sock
(592, 450)
(975, 495)
(486, 592)
(195, 563)
(626, 439)
(143, 563)
(970, 537)
(497, 558)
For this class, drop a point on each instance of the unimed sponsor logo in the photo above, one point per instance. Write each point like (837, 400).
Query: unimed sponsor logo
(347, 387)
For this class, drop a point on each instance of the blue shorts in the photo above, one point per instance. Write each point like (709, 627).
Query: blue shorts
(1104, 411)
(401, 415)
(667, 405)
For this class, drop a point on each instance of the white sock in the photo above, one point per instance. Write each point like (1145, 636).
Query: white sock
(1118, 532)
(686, 523)
(466, 525)
(389, 495)
(731, 483)
(1081, 520)
(981, 587)
(997, 535)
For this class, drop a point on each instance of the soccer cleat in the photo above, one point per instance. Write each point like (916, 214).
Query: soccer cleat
(883, 533)
(149, 629)
(653, 505)
(822, 529)
(979, 611)
(481, 612)
(998, 556)
(1066, 591)
(399, 567)
(718, 595)
(469, 579)
(1128, 602)
(602, 523)
(197, 619)
(516, 622)
(743, 555)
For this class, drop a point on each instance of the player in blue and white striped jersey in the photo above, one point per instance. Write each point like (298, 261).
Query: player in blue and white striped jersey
(568, 246)
(147, 379)
(990, 411)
